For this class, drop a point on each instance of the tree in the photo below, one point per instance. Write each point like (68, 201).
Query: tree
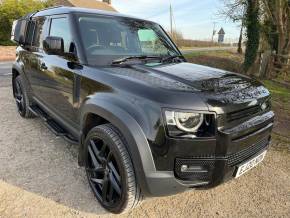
(234, 10)
(11, 10)
(278, 13)
(275, 29)
(253, 33)
(176, 36)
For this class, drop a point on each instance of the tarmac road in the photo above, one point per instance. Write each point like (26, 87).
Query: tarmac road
(5, 68)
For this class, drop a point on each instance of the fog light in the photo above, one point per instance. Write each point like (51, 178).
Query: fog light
(183, 168)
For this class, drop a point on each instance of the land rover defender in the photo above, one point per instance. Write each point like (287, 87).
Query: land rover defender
(147, 122)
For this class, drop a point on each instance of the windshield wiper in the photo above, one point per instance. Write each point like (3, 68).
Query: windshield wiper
(179, 58)
(132, 58)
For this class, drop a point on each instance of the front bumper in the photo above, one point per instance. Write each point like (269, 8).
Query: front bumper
(233, 147)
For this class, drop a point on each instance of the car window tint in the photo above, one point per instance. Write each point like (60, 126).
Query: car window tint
(60, 27)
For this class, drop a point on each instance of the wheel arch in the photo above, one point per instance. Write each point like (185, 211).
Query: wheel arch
(137, 144)
(17, 71)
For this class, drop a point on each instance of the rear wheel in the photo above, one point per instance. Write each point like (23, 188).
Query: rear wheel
(22, 97)
(109, 169)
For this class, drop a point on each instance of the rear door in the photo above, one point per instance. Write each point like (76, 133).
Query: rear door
(57, 82)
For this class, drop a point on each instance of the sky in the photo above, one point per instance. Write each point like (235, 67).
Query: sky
(194, 18)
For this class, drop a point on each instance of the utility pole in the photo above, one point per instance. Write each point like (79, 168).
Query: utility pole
(213, 31)
(171, 21)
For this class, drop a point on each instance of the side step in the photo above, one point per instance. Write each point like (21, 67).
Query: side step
(57, 129)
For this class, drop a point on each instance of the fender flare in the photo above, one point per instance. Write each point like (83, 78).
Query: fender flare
(16, 67)
(137, 144)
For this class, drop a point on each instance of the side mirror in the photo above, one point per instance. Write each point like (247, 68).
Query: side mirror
(53, 45)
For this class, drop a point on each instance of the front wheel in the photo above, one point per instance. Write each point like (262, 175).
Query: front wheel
(109, 169)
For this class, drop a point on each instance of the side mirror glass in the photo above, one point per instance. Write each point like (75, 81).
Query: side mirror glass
(53, 45)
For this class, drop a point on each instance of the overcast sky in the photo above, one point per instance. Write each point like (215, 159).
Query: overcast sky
(194, 18)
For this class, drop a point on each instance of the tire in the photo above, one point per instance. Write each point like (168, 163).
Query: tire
(22, 97)
(110, 170)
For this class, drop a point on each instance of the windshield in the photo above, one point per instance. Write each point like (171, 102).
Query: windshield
(108, 38)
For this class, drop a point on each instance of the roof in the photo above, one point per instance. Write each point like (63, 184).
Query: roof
(62, 2)
(94, 4)
(66, 10)
(221, 32)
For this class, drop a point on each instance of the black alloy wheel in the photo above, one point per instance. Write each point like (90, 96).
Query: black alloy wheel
(103, 172)
(109, 169)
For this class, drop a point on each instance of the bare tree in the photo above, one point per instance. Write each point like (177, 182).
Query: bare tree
(234, 10)
(176, 36)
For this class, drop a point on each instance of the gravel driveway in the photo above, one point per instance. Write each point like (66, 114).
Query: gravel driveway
(39, 177)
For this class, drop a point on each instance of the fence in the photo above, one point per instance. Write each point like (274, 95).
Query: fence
(280, 64)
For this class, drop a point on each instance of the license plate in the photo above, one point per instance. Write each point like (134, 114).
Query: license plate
(245, 167)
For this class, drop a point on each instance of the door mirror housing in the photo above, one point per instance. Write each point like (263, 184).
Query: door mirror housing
(53, 45)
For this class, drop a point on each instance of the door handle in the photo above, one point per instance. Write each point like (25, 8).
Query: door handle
(43, 66)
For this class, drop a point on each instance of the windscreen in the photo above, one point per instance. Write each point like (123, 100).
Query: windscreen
(107, 38)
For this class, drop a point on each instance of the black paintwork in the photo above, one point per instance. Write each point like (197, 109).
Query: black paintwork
(134, 97)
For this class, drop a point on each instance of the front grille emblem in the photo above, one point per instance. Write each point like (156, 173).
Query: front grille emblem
(263, 106)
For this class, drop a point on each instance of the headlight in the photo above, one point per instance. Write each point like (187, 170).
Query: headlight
(186, 121)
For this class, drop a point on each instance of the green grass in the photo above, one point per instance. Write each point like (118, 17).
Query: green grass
(7, 43)
(194, 54)
(278, 92)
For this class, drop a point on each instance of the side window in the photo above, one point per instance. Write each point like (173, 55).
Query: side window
(38, 26)
(60, 27)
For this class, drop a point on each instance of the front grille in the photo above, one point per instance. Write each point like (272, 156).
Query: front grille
(248, 152)
(208, 164)
(236, 115)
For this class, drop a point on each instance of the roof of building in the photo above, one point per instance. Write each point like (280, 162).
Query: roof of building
(93, 4)
(221, 32)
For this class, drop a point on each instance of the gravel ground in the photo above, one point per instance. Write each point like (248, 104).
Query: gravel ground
(39, 177)
(7, 53)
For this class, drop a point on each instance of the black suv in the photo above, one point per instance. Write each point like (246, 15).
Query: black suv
(147, 122)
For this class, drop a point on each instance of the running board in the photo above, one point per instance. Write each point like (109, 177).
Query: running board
(51, 124)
